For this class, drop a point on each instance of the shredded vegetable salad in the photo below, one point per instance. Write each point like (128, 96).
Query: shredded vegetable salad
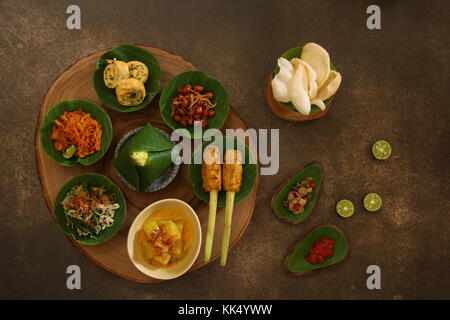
(79, 129)
(89, 210)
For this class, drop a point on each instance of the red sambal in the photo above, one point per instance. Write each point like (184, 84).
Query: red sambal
(320, 250)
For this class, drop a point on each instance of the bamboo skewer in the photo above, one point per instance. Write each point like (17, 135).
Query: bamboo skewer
(211, 224)
(227, 230)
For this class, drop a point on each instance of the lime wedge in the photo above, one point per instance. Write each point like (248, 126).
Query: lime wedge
(381, 149)
(345, 208)
(70, 152)
(372, 202)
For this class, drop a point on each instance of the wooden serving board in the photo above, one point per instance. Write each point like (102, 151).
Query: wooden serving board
(76, 82)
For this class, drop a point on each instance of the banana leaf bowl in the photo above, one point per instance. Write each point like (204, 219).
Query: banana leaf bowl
(127, 53)
(91, 180)
(160, 170)
(249, 176)
(86, 106)
(194, 78)
(287, 111)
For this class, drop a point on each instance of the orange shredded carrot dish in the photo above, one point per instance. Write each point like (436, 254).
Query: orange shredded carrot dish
(77, 128)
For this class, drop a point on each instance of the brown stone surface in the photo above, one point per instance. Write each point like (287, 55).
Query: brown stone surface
(395, 87)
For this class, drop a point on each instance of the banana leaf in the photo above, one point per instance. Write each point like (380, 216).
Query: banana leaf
(296, 262)
(194, 78)
(159, 149)
(73, 105)
(127, 53)
(313, 170)
(249, 170)
(159, 162)
(93, 180)
(297, 53)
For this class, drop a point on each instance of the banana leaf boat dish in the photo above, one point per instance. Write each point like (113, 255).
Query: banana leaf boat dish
(297, 198)
(324, 246)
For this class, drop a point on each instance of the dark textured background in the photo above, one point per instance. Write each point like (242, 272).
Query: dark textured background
(395, 87)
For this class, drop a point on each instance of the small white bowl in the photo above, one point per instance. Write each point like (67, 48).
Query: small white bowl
(165, 273)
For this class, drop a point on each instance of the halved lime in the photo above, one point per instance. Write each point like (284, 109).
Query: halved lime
(381, 149)
(345, 208)
(372, 202)
(70, 152)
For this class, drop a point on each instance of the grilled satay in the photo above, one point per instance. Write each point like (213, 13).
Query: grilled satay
(211, 169)
(232, 171)
(212, 183)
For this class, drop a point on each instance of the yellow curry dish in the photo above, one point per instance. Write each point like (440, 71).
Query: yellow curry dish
(165, 237)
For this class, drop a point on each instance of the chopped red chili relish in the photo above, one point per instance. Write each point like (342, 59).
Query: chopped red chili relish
(320, 250)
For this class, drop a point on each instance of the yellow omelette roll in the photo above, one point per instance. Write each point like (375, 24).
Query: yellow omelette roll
(115, 70)
(130, 92)
(138, 71)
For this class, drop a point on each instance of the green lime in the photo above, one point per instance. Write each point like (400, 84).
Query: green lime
(70, 152)
(345, 208)
(381, 149)
(372, 202)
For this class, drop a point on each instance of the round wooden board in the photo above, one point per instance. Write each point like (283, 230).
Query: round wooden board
(284, 113)
(76, 82)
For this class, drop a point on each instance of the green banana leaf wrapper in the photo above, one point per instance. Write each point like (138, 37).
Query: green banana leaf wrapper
(159, 150)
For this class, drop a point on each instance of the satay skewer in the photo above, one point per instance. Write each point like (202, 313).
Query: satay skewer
(212, 183)
(232, 179)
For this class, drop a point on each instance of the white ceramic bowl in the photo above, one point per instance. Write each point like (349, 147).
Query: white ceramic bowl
(186, 263)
